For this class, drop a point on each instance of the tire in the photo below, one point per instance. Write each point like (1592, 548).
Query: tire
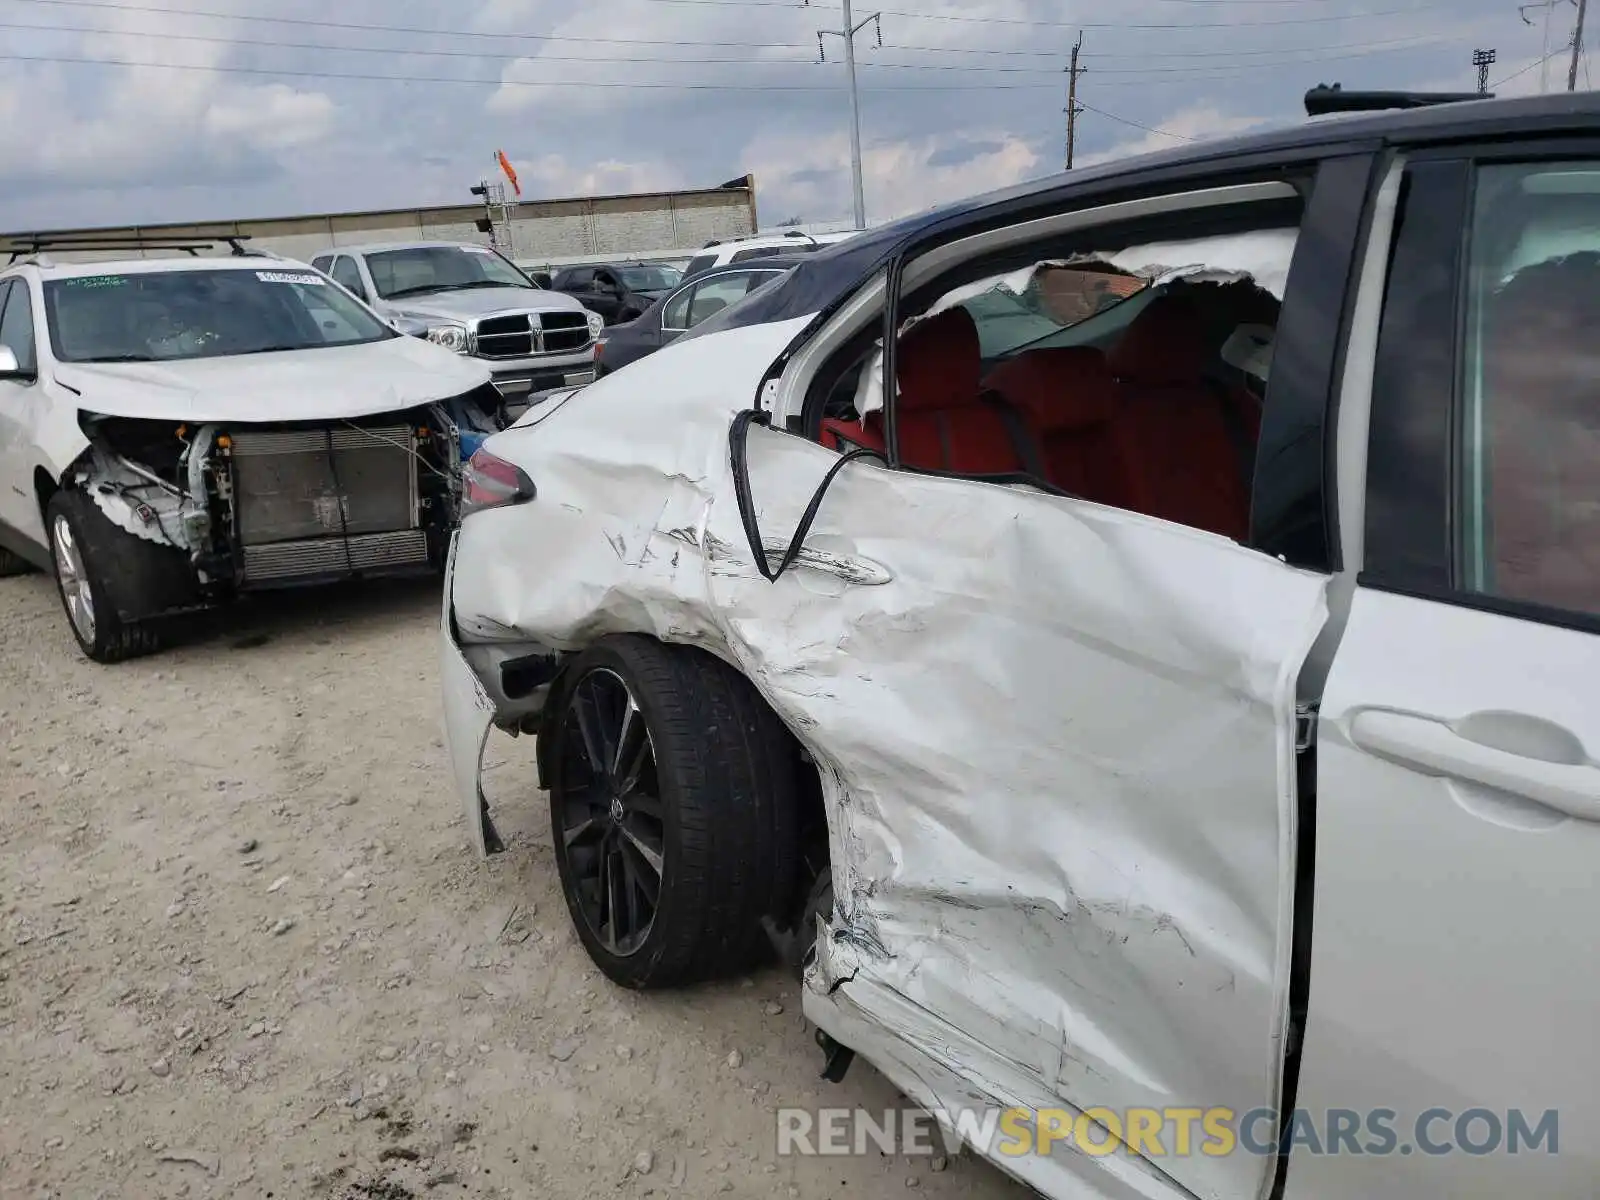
(124, 579)
(709, 789)
(13, 564)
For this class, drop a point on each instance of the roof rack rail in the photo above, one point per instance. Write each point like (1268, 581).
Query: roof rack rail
(1332, 98)
(23, 245)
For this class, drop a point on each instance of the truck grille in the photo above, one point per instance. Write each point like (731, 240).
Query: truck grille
(528, 335)
(330, 500)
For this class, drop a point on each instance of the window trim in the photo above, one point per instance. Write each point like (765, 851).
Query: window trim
(1421, 556)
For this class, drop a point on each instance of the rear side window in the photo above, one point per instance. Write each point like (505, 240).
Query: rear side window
(717, 294)
(348, 276)
(1528, 436)
(322, 262)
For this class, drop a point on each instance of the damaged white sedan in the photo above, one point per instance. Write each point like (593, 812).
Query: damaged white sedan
(177, 431)
(1174, 699)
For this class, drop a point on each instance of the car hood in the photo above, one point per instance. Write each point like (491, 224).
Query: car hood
(296, 385)
(480, 302)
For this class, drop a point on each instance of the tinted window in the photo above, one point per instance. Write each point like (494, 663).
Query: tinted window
(1529, 484)
(155, 316)
(649, 279)
(714, 295)
(348, 275)
(16, 325)
(578, 278)
(676, 313)
(702, 262)
(421, 269)
(322, 262)
(760, 252)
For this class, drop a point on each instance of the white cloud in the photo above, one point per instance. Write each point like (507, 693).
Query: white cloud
(809, 176)
(964, 96)
(274, 117)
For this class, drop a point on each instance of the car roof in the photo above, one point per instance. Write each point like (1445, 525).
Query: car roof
(372, 247)
(150, 266)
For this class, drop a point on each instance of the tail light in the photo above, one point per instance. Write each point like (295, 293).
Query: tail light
(491, 482)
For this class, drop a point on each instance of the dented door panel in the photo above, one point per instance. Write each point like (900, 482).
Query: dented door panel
(1050, 883)
(1059, 749)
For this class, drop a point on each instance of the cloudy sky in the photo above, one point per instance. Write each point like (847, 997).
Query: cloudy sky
(171, 110)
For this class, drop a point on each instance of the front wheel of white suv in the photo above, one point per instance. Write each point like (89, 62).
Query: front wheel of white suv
(110, 582)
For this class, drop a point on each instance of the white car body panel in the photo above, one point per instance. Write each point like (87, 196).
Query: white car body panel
(468, 714)
(1443, 906)
(1006, 691)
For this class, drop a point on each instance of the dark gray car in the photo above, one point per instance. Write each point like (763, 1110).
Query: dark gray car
(682, 309)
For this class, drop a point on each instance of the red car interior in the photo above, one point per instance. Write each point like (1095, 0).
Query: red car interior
(1138, 427)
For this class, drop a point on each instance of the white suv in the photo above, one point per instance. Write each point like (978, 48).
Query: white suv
(174, 431)
(720, 254)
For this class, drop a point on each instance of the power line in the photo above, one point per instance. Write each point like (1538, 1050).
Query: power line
(746, 4)
(1521, 71)
(1182, 137)
(589, 83)
(214, 39)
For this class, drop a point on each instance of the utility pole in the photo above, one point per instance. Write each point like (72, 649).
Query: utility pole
(1577, 47)
(1544, 53)
(1073, 107)
(848, 32)
(1483, 59)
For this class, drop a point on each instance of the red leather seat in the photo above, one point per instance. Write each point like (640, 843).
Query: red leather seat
(1542, 426)
(1069, 396)
(1174, 436)
(945, 424)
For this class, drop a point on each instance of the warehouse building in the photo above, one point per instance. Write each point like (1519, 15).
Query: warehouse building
(536, 233)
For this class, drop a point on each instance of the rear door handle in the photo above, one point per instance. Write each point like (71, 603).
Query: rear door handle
(1559, 774)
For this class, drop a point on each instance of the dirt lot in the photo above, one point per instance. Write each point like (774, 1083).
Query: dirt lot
(244, 951)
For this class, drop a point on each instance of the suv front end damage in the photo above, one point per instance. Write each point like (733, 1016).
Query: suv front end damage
(259, 505)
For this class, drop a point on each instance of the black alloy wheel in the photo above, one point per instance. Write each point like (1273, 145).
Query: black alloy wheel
(673, 811)
(610, 819)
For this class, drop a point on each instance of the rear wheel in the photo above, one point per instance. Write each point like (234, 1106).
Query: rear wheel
(673, 812)
(109, 580)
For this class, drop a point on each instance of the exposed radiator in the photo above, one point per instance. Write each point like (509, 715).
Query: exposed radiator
(331, 556)
(298, 484)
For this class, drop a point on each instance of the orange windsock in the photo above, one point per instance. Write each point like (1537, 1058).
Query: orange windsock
(505, 165)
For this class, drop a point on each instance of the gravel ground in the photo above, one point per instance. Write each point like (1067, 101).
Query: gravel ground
(245, 952)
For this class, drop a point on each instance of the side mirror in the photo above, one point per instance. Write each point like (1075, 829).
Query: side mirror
(10, 368)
